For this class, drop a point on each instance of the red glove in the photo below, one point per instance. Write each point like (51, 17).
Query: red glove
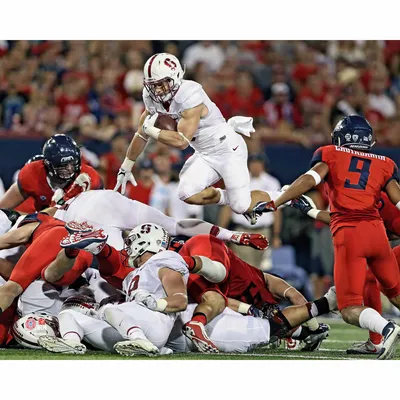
(254, 240)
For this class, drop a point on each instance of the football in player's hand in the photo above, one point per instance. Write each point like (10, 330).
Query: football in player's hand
(165, 122)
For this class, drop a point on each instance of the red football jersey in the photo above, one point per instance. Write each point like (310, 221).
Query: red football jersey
(390, 214)
(32, 180)
(355, 182)
(244, 282)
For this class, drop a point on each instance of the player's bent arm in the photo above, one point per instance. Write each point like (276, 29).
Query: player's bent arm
(13, 197)
(175, 287)
(393, 191)
(304, 183)
(187, 127)
(282, 290)
(17, 237)
(139, 140)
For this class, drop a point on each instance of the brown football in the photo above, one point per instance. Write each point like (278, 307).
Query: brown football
(164, 121)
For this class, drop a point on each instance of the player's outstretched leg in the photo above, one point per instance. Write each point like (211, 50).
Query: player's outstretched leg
(71, 336)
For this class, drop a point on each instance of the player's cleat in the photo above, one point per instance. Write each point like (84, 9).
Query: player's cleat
(258, 210)
(391, 337)
(137, 347)
(364, 348)
(196, 333)
(313, 342)
(254, 240)
(92, 241)
(73, 227)
(58, 345)
(332, 299)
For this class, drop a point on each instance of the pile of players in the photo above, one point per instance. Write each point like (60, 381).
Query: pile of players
(155, 295)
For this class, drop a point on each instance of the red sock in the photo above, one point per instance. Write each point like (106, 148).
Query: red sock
(200, 317)
(372, 298)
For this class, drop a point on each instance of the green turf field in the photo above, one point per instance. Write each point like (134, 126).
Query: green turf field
(333, 348)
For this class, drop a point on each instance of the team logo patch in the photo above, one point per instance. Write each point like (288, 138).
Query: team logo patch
(355, 138)
(365, 138)
(30, 323)
(43, 198)
(347, 137)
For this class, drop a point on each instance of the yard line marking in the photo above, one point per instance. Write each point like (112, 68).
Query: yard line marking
(338, 341)
(287, 355)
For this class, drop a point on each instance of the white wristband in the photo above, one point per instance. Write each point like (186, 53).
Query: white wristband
(161, 305)
(284, 293)
(315, 175)
(153, 132)
(128, 164)
(243, 308)
(398, 205)
(313, 213)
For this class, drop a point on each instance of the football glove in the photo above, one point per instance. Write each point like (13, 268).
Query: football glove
(254, 240)
(148, 126)
(302, 203)
(255, 312)
(125, 175)
(81, 184)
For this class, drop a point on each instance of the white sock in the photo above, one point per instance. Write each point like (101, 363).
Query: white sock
(224, 199)
(123, 323)
(372, 320)
(69, 328)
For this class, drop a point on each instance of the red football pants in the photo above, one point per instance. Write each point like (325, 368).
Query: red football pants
(38, 256)
(355, 247)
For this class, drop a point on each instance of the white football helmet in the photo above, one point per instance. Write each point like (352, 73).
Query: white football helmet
(147, 237)
(27, 329)
(163, 76)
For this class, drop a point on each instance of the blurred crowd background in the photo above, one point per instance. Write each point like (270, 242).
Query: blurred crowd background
(295, 90)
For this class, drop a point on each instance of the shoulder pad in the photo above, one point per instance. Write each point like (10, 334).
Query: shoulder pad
(187, 90)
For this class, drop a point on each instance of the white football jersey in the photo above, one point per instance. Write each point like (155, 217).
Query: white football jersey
(212, 127)
(146, 277)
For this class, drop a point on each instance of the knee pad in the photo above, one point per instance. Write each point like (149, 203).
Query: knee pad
(239, 199)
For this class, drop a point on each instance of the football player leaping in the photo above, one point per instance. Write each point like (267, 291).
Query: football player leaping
(220, 152)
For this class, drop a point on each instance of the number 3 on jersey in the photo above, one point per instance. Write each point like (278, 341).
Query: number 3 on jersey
(361, 166)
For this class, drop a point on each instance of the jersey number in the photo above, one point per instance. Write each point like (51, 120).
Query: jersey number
(251, 296)
(133, 285)
(363, 171)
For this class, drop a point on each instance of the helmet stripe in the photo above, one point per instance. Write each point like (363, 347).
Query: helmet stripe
(150, 64)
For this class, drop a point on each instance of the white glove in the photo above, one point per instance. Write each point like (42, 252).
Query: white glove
(151, 302)
(58, 195)
(243, 125)
(125, 175)
(148, 126)
(83, 180)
